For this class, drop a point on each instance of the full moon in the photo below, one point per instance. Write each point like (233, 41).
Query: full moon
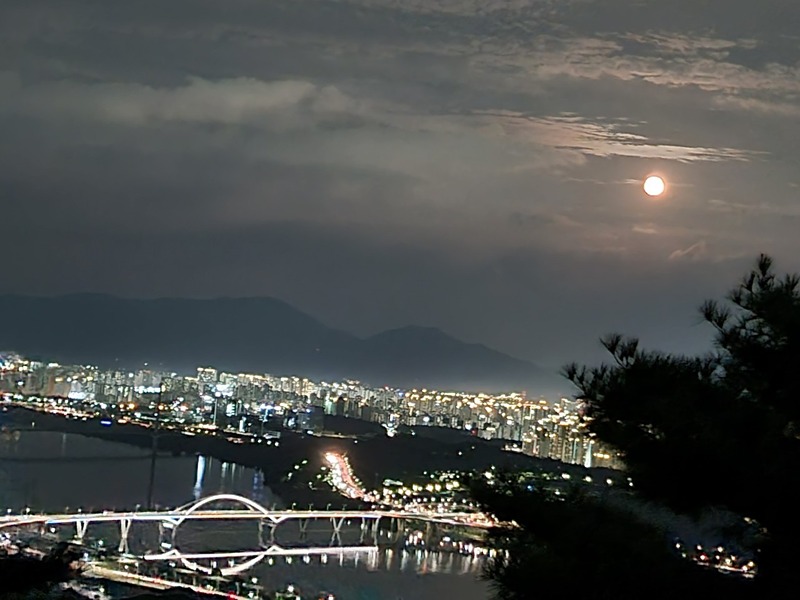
(654, 186)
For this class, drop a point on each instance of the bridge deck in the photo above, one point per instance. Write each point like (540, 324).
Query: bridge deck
(252, 511)
(224, 515)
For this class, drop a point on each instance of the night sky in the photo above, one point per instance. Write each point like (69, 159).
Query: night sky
(474, 165)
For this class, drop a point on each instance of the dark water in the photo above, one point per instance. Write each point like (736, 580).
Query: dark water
(48, 471)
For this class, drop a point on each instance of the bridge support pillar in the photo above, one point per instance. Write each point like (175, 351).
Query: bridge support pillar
(80, 530)
(400, 529)
(369, 527)
(271, 526)
(124, 530)
(431, 533)
(166, 535)
(303, 529)
(336, 536)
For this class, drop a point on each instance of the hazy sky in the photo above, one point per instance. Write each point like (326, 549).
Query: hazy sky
(469, 164)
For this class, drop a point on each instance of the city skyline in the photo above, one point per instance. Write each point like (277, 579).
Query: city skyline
(474, 167)
(536, 425)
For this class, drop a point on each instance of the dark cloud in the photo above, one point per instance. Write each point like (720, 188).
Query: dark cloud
(469, 164)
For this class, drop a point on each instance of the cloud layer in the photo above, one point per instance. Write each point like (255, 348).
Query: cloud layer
(467, 164)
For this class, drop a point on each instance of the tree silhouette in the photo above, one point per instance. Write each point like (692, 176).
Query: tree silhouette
(697, 433)
(581, 547)
(27, 575)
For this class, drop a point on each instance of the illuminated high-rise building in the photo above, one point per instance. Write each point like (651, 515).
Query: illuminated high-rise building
(206, 375)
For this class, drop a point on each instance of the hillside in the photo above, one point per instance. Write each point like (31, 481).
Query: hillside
(250, 334)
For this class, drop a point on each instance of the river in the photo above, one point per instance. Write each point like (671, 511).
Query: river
(50, 471)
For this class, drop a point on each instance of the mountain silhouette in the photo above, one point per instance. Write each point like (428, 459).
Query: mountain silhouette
(261, 335)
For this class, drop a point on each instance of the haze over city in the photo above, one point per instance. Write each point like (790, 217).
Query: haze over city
(474, 166)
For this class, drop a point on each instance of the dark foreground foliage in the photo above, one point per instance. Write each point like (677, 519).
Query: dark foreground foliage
(22, 574)
(581, 547)
(719, 431)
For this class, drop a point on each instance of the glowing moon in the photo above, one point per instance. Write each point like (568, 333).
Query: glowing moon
(654, 186)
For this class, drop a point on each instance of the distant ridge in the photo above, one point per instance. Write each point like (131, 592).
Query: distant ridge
(252, 334)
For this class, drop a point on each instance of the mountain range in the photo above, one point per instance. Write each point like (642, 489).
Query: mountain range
(252, 335)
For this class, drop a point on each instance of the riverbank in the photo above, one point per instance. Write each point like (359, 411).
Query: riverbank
(292, 466)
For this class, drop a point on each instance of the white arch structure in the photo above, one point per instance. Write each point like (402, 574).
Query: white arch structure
(190, 560)
(172, 519)
(251, 504)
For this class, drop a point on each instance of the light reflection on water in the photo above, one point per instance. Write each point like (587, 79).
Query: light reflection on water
(50, 471)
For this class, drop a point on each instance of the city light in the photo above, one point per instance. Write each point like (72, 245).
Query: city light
(248, 405)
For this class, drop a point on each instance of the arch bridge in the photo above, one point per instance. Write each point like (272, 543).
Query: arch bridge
(169, 521)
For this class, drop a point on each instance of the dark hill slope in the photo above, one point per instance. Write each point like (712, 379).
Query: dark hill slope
(249, 334)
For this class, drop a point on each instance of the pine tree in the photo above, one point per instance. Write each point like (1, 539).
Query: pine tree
(719, 431)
